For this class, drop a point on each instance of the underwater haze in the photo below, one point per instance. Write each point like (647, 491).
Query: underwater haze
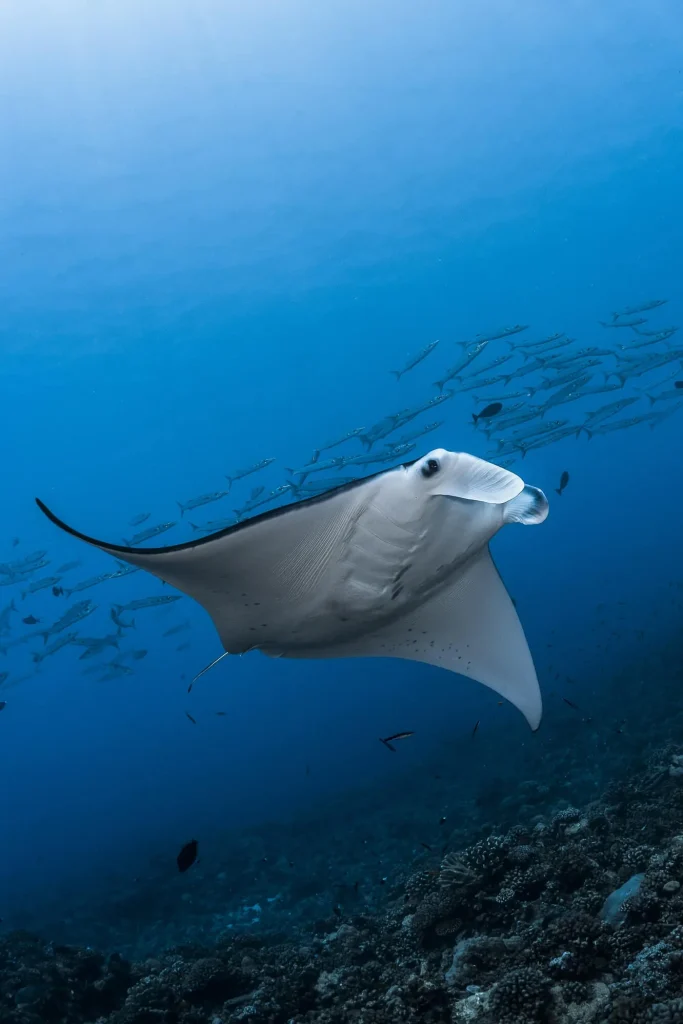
(222, 227)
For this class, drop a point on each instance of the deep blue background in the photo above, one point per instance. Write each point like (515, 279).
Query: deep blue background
(220, 225)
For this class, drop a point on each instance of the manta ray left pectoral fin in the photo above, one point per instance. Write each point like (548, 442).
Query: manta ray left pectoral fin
(470, 627)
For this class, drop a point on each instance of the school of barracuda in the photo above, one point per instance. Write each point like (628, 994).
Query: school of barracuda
(523, 393)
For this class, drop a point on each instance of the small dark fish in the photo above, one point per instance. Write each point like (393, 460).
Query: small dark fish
(491, 410)
(337, 910)
(476, 726)
(183, 647)
(396, 736)
(678, 383)
(427, 847)
(193, 720)
(30, 620)
(187, 855)
(442, 821)
(3, 705)
(571, 704)
(221, 714)
(16, 541)
(564, 480)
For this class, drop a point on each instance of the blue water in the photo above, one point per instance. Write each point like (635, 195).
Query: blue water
(220, 228)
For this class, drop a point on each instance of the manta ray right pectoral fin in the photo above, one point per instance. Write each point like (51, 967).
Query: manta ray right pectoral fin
(470, 627)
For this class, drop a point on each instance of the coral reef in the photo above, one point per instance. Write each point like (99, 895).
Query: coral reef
(573, 917)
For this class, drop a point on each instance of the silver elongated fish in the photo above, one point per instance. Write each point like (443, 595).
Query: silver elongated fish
(500, 426)
(214, 525)
(94, 645)
(239, 474)
(348, 436)
(378, 431)
(663, 334)
(546, 439)
(415, 435)
(75, 614)
(671, 394)
(604, 413)
(628, 368)
(319, 486)
(524, 370)
(394, 565)
(644, 307)
(545, 427)
(62, 641)
(601, 389)
(564, 360)
(648, 338)
(415, 360)
(68, 566)
(314, 467)
(488, 382)
(455, 372)
(624, 323)
(139, 519)
(504, 332)
(92, 581)
(406, 415)
(43, 584)
(570, 393)
(368, 460)
(493, 364)
(549, 383)
(507, 397)
(20, 564)
(5, 617)
(21, 575)
(258, 501)
(633, 421)
(149, 533)
(554, 341)
(200, 500)
(148, 602)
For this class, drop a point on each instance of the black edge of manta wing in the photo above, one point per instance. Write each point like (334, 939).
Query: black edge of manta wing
(244, 524)
(82, 536)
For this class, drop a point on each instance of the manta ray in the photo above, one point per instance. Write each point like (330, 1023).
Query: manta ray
(396, 564)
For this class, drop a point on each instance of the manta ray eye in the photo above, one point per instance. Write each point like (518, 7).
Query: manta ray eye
(430, 467)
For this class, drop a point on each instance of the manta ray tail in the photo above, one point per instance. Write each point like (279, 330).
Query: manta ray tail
(207, 668)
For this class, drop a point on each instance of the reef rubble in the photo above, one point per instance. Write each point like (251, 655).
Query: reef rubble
(574, 917)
